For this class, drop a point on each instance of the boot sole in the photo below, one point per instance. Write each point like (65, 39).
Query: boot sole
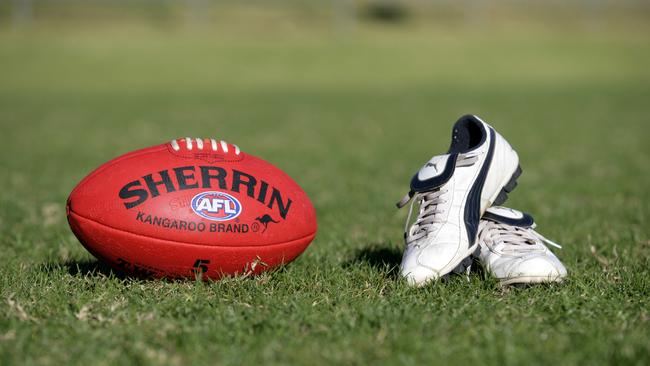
(502, 197)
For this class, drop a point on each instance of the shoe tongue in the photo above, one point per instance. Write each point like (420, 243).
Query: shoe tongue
(509, 216)
(433, 167)
(434, 173)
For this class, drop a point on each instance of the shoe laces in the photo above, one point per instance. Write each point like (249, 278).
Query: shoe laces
(432, 209)
(515, 239)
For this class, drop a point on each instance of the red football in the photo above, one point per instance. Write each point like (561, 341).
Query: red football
(192, 206)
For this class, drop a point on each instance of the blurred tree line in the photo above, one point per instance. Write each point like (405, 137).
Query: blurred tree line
(338, 14)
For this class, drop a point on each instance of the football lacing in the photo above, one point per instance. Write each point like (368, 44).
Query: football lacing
(214, 145)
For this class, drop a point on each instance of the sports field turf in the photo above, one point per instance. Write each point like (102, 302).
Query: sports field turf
(350, 117)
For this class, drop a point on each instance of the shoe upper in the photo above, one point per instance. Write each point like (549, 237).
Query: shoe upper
(512, 251)
(453, 191)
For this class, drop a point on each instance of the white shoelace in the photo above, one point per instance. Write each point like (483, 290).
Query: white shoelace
(515, 239)
(214, 145)
(431, 213)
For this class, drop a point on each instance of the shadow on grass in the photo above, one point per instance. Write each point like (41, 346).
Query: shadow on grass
(85, 267)
(383, 257)
(96, 268)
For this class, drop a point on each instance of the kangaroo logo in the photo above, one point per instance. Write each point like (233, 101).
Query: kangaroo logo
(265, 220)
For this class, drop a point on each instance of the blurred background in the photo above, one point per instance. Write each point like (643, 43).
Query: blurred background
(335, 92)
(350, 98)
(339, 15)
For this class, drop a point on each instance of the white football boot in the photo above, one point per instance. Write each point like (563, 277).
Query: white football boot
(512, 251)
(453, 191)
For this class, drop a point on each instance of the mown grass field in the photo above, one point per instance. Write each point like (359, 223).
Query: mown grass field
(350, 117)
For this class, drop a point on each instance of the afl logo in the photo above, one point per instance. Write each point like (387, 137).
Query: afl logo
(216, 206)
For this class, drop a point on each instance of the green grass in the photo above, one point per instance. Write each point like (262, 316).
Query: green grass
(350, 117)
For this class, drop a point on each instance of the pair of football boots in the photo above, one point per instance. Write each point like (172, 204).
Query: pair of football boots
(459, 216)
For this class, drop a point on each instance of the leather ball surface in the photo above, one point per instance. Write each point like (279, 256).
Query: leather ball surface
(192, 206)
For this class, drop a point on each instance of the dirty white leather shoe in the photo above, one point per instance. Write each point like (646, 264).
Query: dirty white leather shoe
(453, 191)
(512, 251)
